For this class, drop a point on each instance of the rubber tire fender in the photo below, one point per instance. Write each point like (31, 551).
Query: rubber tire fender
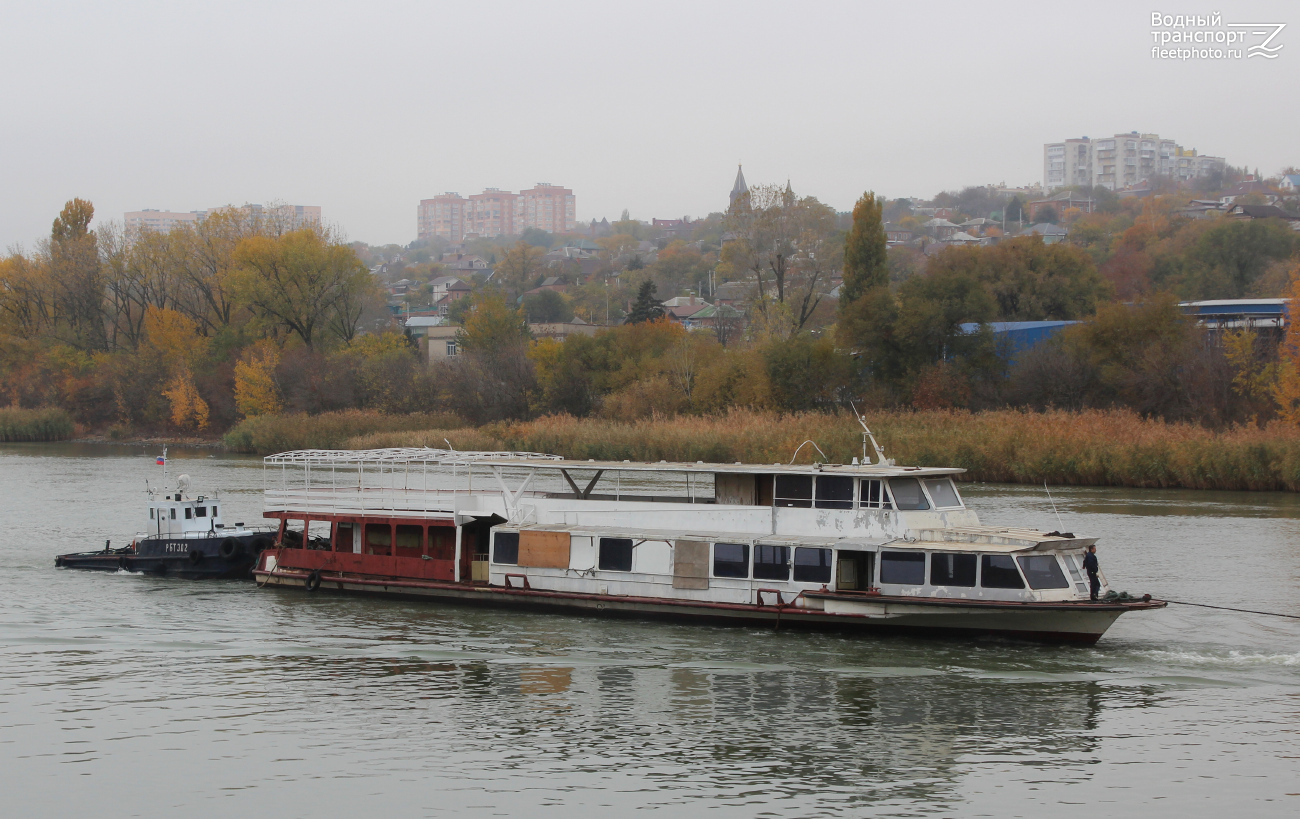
(230, 549)
(196, 557)
(312, 583)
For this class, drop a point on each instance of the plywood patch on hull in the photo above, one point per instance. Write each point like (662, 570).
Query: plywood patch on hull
(691, 565)
(544, 550)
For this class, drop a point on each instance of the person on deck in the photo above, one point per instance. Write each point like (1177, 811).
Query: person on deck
(1091, 567)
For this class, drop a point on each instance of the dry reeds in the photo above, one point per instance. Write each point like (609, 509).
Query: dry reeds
(265, 434)
(49, 424)
(1092, 448)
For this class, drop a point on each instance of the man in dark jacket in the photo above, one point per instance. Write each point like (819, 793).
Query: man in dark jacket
(1091, 567)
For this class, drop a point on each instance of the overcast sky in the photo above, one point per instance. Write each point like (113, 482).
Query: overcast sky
(364, 108)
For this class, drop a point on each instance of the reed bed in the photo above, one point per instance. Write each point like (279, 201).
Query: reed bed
(265, 434)
(50, 424)
(1090, 448)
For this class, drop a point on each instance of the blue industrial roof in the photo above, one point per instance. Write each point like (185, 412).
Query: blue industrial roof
(1236, 307)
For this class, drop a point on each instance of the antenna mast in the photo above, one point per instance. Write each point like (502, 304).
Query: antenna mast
(881, 460)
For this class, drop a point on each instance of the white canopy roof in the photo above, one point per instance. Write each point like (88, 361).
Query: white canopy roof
(538, 460)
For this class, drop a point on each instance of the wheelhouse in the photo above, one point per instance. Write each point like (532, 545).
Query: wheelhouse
(174, 515)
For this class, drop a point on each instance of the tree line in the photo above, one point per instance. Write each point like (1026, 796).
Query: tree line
(146, 328)
(199, 327)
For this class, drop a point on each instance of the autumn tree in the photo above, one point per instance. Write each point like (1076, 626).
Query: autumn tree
(547, 306)
(1286, 391)
(256, 391)
(491, 377)
(1028, 279)
(304, 282)
(77, 277)
(680, 266)
(791, 245)
(866, 263)
(520, 266)
(206, 254)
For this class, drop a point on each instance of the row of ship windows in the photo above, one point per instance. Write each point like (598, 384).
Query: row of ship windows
(836, 492)
(813, 564)
(190, 512)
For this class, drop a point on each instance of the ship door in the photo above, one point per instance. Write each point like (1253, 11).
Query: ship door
(475, 537)
(853, 570)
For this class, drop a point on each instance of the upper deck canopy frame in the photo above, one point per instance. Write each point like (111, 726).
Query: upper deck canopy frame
(409, 456)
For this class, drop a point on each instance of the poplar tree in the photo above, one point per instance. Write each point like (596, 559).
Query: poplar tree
(866, 264)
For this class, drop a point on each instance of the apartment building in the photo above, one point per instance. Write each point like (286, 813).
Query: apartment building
(160, 220)
(1067, 163)
(1121, 161)
(292, 217)
(442, 216)
(546, 207)
(496, 212)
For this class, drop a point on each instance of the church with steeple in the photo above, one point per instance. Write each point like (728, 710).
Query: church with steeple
(738, 190)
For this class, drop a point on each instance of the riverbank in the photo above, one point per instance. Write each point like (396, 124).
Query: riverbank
(1091, 448)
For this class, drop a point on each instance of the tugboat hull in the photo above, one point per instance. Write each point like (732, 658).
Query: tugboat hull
(190, 558)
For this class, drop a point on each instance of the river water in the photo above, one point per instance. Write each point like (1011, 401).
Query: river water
(124, 695)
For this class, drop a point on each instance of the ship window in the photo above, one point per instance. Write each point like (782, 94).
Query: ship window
(874, 495)
(188, 513)
(907, 493)
(952, 570)
(812, 565)
(201, 512)
(834, 492)
(1043, 572)
(379, 539)
(150, 513)
(214, 511)
(771, 562)
(1073, 566)
(794, 490)
(173, 511)
(999, 572)
(409, 540)
(943, 492)
(907, 568)
(616, 554)
(731, 560)
(505, 548)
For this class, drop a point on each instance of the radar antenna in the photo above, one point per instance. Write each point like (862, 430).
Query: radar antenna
(183, 483)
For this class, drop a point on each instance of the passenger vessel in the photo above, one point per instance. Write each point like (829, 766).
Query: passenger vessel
(185, 537)
(865, 545)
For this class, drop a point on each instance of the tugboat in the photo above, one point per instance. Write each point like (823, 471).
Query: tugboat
(186, 538)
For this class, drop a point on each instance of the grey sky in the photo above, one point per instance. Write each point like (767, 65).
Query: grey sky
(365, 108)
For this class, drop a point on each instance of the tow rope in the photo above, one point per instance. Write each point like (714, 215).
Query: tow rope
(1230, 608)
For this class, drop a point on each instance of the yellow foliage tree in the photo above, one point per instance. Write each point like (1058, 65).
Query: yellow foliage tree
(189, 410)
(174, 335)
(1286, 390)
(255, 389)
(521, 264)
(1252, 378)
